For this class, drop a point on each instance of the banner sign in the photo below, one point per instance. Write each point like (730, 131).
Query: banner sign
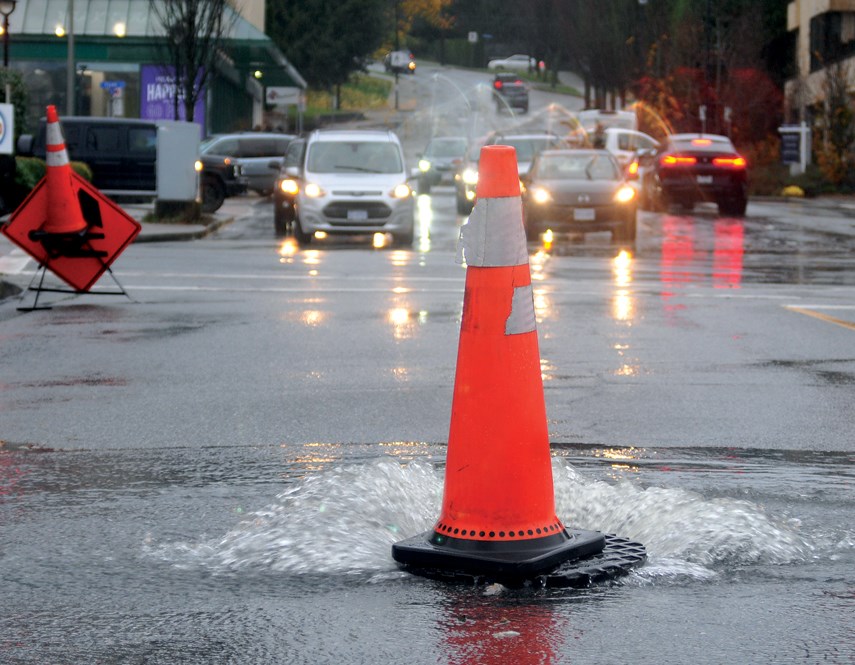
(157, 95)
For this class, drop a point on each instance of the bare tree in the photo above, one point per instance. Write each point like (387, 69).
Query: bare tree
(194, 33)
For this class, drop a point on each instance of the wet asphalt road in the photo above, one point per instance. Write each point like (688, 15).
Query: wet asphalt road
(214, 470)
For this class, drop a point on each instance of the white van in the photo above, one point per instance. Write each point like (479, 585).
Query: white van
(353, 182)
(590, 118)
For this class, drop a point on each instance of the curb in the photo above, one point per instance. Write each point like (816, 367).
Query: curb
(195, 233)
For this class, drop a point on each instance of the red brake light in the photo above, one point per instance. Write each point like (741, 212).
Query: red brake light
(701, 142)
(730, 162)
(678, 160)
(497, 85)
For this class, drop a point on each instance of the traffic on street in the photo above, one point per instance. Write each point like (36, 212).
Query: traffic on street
(213, 465)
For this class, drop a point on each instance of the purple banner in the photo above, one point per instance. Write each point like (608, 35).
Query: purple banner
(157, 92)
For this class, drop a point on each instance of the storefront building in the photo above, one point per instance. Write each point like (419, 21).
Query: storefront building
(113, 56)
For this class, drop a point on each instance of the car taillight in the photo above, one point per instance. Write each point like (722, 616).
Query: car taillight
(632, 169)
(497, 85)
(678, 160)
(730, 162)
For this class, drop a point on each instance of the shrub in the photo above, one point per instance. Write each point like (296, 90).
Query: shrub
(82, 169)
(28, 172)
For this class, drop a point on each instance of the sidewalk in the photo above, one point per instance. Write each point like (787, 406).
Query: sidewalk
(156, 232)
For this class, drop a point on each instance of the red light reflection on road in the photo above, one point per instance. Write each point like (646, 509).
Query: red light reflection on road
(488, 631)
(678, 253)
(685, 255)
(727, 253)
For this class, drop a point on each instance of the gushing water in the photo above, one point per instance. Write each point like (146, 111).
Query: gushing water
(343, 521)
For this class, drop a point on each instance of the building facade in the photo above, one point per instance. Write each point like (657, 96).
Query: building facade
(107, 58)
(825, 46)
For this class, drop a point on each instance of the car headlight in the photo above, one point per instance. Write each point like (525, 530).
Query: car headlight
(289, 186)
(625, 194)
(470, 176)
(312, 190)
(198, 165)
(401, 191)
(540, 195)
(424, 165)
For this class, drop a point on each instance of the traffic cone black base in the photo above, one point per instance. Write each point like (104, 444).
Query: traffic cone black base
(587, 557)
(508, 559)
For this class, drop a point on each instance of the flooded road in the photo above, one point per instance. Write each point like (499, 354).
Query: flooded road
(282, 554)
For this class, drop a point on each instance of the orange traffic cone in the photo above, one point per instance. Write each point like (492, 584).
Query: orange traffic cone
(498, 511)
(64, 216)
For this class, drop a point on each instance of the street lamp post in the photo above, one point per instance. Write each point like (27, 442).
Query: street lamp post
(6, 8)
(69, 65)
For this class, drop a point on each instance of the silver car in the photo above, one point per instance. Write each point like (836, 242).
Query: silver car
(353, 182)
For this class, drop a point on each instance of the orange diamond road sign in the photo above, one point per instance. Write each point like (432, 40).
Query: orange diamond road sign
(109, 231)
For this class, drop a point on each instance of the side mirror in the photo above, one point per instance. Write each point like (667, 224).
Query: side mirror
(274, 164)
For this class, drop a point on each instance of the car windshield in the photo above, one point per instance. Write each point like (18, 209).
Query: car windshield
(354, 157)
(528, 148)
(577, 167)
(217, 145)
(446, 148)
(706, 143)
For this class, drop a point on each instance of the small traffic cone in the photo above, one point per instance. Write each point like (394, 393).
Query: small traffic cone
(498, 511)
(64, 215)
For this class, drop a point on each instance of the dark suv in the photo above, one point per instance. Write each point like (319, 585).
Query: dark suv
(251, 152)
(219, 178)
(511, 92)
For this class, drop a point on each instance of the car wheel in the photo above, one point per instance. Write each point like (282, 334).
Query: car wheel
(300, 235)
(464, 206)
(283, 215)
(404, 238)
(213, 194)
(531, 227)
(734, 207)
(643, 199)
(659, 201)
(627, 232)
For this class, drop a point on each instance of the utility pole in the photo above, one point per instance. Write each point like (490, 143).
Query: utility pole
(397, 48)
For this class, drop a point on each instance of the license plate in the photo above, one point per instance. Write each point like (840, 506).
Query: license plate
(704, 179)
(584, 214)
(357, 215)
